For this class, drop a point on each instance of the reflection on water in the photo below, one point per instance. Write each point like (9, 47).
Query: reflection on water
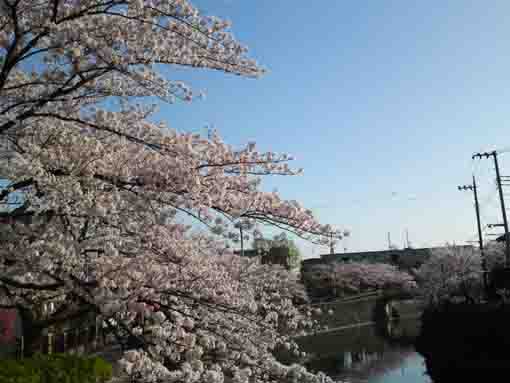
(368, 354)
(411, 370)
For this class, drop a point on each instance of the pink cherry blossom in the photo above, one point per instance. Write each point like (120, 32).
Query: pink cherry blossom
(451, 273)
(342, 279)
(122, 216)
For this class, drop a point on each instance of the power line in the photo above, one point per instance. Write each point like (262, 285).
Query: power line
(494, 156)
(487, 202)
(487, 205)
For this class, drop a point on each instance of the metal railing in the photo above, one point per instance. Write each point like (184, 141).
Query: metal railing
(82, 339)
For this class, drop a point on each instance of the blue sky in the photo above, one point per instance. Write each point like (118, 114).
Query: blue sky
(382, 103)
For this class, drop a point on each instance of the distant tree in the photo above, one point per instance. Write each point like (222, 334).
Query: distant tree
(294, 255)
(498, 281)
(495, 253)
(345, 279)
(450, 273)
(279, 241)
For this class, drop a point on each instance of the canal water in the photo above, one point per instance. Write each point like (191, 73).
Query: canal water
(368, 354)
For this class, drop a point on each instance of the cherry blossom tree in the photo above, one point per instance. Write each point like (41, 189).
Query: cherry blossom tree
(495, 255)
(104, 186)
(342, 279)
(451, 273)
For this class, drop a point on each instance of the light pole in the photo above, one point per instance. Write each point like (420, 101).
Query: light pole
(242, 223)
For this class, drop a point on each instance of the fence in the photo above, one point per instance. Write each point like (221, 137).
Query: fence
(348, 299)
(88, 338)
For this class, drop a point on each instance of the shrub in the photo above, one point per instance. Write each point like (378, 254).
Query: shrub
(55, 368)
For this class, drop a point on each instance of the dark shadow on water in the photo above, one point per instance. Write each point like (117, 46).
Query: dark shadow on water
(466, 342)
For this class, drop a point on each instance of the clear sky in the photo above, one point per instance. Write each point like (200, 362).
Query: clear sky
(381, 102)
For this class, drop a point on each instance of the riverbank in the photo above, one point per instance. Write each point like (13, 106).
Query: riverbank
(465, 342)
(366, 309)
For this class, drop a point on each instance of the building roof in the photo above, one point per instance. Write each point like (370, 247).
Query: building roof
(406, 258)
(376, 253)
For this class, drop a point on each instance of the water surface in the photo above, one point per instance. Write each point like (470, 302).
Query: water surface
(368, 354)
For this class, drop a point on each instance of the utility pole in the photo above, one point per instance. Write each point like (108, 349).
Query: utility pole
(479, 226)
(242, 239)
(494, 155)
(240, 223)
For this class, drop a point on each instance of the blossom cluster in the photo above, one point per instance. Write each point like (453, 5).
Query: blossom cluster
(341, 279)
(451, 272)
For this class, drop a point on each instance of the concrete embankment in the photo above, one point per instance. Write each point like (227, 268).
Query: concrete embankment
(365, 310)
